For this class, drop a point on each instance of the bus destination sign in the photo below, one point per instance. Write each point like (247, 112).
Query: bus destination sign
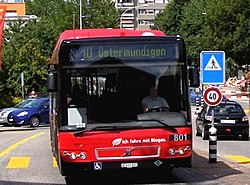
(90, 53)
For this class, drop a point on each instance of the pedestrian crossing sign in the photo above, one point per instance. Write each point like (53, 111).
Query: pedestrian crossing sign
(212, 65)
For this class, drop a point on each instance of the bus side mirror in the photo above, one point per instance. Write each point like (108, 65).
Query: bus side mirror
(51, 82)
(194, 76)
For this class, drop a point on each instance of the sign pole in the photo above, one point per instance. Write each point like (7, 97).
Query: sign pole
(212, 97)
(22, 84)
(212, 141)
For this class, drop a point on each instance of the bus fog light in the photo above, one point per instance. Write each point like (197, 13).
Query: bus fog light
(171, 151)
(82, 155)
(73, 156)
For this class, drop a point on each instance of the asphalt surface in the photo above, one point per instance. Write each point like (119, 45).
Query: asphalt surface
(224, 172)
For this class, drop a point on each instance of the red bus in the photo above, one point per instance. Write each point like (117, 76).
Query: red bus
(97, 79)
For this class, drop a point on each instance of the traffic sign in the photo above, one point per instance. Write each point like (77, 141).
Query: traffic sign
(197, 90)
(212, 64)
(212, 96)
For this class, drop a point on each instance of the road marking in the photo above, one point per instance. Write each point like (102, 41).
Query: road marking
(239, 158)
(55, 163)
(18, 162)
(12, 147)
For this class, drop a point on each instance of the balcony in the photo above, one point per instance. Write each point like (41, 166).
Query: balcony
(12, 1)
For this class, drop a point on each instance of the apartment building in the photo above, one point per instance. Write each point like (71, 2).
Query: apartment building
(139, 14)
(15, 10)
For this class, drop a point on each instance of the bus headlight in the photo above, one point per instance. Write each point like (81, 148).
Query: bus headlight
(82, 155)
(180, 151)
(171, 151)
(74, 155)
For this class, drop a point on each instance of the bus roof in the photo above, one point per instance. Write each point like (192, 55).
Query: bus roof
(98, 33)
(93, 33)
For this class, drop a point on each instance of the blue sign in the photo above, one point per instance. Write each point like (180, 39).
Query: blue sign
(97, 165)
(212, 65)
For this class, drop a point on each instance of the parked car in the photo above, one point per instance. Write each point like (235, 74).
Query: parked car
(194, 95)
(229, 119)
(5, 112)
(32, 113)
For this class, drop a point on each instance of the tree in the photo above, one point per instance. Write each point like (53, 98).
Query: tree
(102, 14)
(23, 53)
(191, 26)
(169, 20)
(227, 28)
(27, 47)
(210, 25)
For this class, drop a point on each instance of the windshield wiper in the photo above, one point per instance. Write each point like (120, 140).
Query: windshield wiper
(161, 122)
(110, 127)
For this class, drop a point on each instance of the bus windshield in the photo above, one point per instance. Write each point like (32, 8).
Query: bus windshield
(104, 84)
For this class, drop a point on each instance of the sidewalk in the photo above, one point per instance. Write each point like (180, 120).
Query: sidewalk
(224, 171)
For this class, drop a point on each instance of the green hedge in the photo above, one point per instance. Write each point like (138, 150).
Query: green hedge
(9, 101)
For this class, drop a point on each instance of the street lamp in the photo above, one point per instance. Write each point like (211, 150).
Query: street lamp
(80, 12)
(135, 7)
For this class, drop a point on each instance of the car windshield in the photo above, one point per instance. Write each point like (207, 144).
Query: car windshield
(23, 103)
(33, 103)
(227, 109)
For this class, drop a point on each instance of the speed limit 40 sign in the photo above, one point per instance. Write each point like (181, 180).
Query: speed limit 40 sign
(212, 96)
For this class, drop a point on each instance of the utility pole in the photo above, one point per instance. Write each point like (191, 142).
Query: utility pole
(80, 14)
(22, 84)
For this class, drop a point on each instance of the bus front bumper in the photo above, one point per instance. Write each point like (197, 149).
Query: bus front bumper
(69, 169)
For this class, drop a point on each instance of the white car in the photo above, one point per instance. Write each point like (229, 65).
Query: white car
(4, 115)
(6, 111)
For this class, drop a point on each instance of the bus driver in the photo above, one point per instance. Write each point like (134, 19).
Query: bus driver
(153, 102)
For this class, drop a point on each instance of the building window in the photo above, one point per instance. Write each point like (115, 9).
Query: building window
(126, 1)
(159, 1)
(150, 1)
(12, 1)
(141, 12)
(158, 11)
(149, 12)
(10, 13)
(146, 22)
(128, 11)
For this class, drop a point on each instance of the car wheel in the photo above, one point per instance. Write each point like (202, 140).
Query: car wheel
(8, 124)
(34, 121)
(204, 134)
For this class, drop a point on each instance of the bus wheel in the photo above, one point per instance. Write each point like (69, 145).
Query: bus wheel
(34, 121)
(72, 180)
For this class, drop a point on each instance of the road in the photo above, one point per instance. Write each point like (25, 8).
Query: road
(26, 158)
(228, 148)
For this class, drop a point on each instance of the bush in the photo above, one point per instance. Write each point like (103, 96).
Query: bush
(9, 101)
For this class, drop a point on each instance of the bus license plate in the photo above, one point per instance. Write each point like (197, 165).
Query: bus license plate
(129, 165)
